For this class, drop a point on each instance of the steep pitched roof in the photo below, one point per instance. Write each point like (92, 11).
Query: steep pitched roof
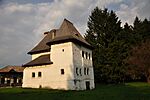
(41, 46)
(42, 60)
(10, 68)
(68, 32)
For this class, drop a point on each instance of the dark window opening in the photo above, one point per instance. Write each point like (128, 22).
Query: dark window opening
(63, 50)
(89, 56)
(62, 72)
(39, 74)
(80, 72)
(83, 54)
(77, 71)
(8, 81)
(33, 74)
(2, 80)
(86, 55)
(87, 71)
(20, 81)
(77, 34)
(84, 71)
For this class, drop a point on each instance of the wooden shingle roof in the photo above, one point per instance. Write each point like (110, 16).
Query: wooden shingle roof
(14, 68)
(42, 47)
(41, 60)
(66, 30)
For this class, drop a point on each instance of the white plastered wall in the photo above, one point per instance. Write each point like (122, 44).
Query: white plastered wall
(62, 58)
(82, 63)
(34, 56)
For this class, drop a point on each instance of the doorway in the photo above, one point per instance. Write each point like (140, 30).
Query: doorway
(87, 83)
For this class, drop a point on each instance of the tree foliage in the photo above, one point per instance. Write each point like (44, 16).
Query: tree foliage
(140, 61)
(113, 45)
(104, 34)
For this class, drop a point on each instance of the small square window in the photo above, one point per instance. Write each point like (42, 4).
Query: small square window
(39, 74)
(33, 74)
(62, 71)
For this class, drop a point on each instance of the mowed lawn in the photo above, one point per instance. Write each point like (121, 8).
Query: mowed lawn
(129, 91)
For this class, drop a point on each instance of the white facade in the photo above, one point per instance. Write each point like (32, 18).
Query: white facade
(72, 69)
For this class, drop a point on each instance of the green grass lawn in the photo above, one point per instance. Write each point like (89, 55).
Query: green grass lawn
(129, 91)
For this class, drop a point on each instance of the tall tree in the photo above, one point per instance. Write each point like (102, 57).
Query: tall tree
(109, 50)
(141, 29)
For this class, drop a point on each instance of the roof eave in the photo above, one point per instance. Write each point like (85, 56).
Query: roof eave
(32, 65)
(40, 51)
(70, 40)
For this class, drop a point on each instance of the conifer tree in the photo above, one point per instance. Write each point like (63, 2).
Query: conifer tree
(109, 50)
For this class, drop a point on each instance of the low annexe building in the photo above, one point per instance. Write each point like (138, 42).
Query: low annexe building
(11, 76)
(61, 60)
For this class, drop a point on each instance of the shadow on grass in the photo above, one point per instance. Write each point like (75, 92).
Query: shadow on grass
(129, 91)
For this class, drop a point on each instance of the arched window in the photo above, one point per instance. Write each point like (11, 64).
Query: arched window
(80, 72)
(77, 72)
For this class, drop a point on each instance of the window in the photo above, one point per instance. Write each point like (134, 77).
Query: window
(77, 72)
(84, 71)
(83, 54)
(39, 74)
(87, 71)
(63, 50)
(62, 71)
(86, 54)
(77, 34)
(80, 72)
(33, 74)
(89, 56)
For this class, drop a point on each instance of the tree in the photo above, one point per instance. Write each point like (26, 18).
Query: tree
(109, 48)
(139, 60)
(141, 29)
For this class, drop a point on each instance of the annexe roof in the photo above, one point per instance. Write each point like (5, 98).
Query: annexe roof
(42, 47)
(10, 68)
(41, 60)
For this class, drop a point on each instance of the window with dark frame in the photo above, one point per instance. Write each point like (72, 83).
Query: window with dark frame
(77, 72)
(83, 54)
(39, 74)
(86, 54)
(33, 74)
(80, 72)
(62, 71)
(87, 71)
(89, 56)
(84, 71)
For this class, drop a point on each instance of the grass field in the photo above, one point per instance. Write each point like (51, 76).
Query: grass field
(129, 91)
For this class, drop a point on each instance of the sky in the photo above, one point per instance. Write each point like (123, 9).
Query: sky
(23, 22)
